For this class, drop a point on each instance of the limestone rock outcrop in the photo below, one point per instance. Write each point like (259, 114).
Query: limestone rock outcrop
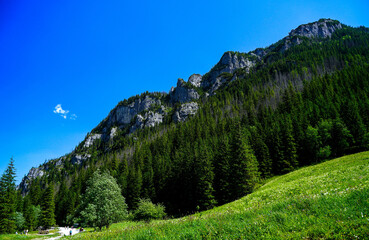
(186, 110)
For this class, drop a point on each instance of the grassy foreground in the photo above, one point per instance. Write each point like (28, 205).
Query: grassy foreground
(326, 201)
(31, 235)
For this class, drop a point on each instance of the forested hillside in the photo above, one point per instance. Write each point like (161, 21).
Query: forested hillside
(302, 100)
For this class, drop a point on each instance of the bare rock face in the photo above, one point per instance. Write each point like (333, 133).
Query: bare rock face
(183, 92)
(78, 159)
(91, 139)
(186, 110)
(149, 119)
(229, 63)
(113, 132)
(195, 80)
(259, 53)
(323, 28)
(123, 115)
(32, 174)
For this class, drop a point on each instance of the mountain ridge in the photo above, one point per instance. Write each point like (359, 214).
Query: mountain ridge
(152, 109)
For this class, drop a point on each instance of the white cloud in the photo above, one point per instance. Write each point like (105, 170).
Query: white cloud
(73, 116)
(63, 113)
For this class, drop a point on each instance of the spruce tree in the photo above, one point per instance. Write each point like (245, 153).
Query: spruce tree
(134, 187)
(148, 189)
(122, 178)
(244, 166)
(8, 199)
(204, 179)
(290, 149)
(261, 152)
(222, 172)
(48, 207)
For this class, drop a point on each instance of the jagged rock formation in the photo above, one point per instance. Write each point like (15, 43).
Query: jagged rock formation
(149, 119)
(184, 92)
(229, 62)
(323, 28)
(32, 174)
(122, 115)
(150, 109)
(78, 159)
(195, 80)
(186, 110)
(90, 139)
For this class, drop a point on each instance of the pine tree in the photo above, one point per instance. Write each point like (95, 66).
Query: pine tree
(8, 199)
(134, 187)
(35, 192)
(290, 149)
(244, 166)
(48, 207)
(28, 213)
(261, 152)
(148, 189)
(204, 179)
(122, 178)
(222, 172)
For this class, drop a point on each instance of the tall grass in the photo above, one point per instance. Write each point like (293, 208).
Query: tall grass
(326, 201)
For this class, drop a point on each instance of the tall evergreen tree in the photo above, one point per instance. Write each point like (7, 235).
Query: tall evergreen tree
(290, 149)
(244, 166)
(148, 189)
(48, 207)
(204, 179)
(222, 172)
(8, 199)
(134, 186)
(122, 178)
(261, 152)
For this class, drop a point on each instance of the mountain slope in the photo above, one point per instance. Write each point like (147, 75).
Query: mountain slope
(325, 201)
(283, 106)
(152, 109)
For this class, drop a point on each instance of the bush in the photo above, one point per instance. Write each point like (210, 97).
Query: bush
(147, 210)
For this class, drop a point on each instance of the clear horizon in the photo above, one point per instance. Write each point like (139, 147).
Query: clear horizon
(64, 66)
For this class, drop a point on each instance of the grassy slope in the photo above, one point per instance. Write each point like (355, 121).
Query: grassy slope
(326, 201)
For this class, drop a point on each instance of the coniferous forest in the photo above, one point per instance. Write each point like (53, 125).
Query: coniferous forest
(295, 108)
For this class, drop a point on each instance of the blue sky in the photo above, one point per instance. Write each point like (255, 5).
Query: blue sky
(65, 64)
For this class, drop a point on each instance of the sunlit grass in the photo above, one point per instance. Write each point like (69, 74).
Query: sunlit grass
(326, 201)
(30, 235)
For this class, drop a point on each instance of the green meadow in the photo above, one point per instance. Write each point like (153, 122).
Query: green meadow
(329, 200)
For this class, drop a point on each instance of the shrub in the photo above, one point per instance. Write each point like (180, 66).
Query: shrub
(147, 210)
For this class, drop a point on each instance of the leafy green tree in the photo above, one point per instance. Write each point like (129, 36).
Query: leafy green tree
(48, 207)
(146, 210)
(19, 220)
(102, 204)
(8, 199)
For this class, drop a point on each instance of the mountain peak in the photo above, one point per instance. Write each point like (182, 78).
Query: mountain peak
(322, 28)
